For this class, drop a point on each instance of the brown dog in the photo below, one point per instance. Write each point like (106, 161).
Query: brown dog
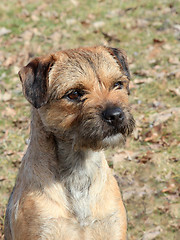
(65, 189)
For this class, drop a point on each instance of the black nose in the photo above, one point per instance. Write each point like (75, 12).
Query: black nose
(113, 115)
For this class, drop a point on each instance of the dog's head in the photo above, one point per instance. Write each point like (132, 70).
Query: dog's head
(82, 95)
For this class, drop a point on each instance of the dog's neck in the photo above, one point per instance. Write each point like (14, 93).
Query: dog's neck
(58, 158)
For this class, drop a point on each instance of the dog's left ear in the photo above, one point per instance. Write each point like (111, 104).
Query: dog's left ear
(34, 78)
(121, 59)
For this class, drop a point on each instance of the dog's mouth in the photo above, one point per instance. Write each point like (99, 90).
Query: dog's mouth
(95, 133)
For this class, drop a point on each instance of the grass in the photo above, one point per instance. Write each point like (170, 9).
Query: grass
(148, 31)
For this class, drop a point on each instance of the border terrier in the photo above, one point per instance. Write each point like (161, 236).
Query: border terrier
(65, 189)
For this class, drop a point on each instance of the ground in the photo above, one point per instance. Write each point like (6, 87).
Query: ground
(149, 31)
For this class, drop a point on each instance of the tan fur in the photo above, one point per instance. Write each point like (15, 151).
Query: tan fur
(65, 189)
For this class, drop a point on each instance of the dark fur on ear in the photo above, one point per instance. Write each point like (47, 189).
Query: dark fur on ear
(34, 78)
(121, 59)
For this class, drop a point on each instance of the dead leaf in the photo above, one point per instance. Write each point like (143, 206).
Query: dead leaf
(2, 178)
(153, 134)
(171, 188)
(163, 208)
(25, 13)
(98, 24)
(154, 52)
(152, 138)
(4, 135)
(56, 37)
(15, 70)
(177, 27)
(177, 74)
(10, 61)
(9, 153)
(2, 56)
(91, 16)
(130, 9)
(50, 14)
(176, 91)
(8, 112)
(16, 163)
(141, 23)
(158, 104)
(141, 73)
(167, 46)
(174, 60)
(5, 96)
(75, 2)
(86, 23)
(27, 35)
(174, 159)
(158, 41)
(174, 74)
(34, 18)
(128, 193)
(110, 37)
(21, 122)
(143, 80)
(2, 76)
(152, 233)
(174, 210)
(114, 13)
(137, 191)
(145, 158)
(158, 118)
(71, 21)
(4, 31)
(123, 155)
(136, 133)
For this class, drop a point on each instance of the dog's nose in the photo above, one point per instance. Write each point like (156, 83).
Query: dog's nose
(113, 115)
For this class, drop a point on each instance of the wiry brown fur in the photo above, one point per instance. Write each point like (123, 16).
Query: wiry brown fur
(65, 189)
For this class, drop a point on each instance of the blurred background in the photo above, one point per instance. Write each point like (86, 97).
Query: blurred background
(149, 31)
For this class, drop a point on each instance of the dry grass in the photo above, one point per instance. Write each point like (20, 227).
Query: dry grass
(149, 31)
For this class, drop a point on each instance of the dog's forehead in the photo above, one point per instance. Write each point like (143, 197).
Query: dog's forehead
(84, 67)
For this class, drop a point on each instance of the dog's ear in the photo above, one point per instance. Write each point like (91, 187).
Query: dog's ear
(121, 59)
(34, 78)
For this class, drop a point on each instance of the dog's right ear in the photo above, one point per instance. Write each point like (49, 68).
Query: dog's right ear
(35, 78)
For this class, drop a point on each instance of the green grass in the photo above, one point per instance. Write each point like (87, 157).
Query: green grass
(151, 178)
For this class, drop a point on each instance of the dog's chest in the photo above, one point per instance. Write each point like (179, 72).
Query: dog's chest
(78, 198)
(70, 229)
(78, 184)
(79, 222)
(77, 207)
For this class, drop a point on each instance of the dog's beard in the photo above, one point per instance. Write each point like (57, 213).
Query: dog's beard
(96, 134)
(113, 141)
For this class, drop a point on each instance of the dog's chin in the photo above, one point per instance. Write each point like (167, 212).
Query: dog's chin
(113, 141)
(97, 144)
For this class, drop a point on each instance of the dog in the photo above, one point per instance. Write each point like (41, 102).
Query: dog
(65, 189)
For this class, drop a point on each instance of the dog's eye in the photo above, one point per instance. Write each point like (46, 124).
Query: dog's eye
(119, 85)
(75, 95)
